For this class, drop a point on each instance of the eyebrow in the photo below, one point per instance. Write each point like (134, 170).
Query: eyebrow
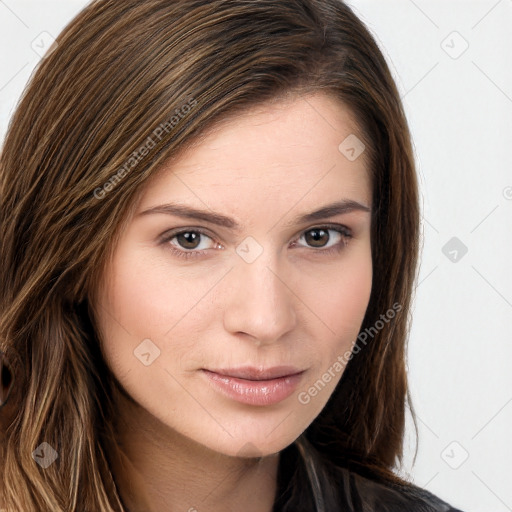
(185, 211)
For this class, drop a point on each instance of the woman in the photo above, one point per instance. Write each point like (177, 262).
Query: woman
(210, 237)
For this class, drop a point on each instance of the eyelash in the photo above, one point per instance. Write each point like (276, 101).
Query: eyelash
(345, 233)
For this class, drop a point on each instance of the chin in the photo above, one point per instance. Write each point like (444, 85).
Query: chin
(256, 440)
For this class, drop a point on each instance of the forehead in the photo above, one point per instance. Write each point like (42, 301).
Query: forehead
(280, 152)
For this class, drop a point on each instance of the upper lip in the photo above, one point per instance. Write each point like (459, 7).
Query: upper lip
(253, 373)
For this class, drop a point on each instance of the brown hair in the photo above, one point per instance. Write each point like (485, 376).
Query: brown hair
(120, 71)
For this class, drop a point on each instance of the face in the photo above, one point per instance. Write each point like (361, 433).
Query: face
(228, 309)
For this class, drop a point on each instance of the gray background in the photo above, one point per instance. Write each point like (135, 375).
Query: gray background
(452, 62)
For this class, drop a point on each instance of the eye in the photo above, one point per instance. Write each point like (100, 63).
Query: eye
(189, 243)
(321, 238)
(193, 243)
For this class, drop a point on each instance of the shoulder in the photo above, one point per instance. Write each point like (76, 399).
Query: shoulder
(368, 495)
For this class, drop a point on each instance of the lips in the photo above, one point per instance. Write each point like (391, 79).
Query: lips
(255, 386)
(253, 373)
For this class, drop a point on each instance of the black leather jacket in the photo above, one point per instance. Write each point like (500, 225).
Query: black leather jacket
(348, 491)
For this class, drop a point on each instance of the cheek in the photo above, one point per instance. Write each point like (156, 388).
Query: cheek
(341, 302)
(147, 298)
(342, 297)
(141, 314)
(354, 295)
(144, 301)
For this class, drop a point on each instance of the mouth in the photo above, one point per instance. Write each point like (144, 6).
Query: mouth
(255, 386)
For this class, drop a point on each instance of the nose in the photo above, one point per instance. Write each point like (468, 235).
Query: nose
(260, 304)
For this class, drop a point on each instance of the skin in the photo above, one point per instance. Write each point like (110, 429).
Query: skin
(184, 445)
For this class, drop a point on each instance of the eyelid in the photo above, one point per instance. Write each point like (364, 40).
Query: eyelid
(176, 231)
(170, 234)
(327, 225)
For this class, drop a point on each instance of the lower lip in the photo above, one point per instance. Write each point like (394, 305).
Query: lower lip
(255, 392)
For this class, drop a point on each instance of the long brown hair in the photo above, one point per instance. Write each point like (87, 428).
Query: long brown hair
(122, 73)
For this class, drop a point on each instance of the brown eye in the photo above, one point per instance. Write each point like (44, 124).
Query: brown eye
(189, 242)
(189, 239)
(317, 237)
(326, 238)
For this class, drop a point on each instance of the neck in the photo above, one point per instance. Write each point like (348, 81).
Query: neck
(156, 468)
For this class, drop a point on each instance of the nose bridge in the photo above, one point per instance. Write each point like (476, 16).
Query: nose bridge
(260, 303)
